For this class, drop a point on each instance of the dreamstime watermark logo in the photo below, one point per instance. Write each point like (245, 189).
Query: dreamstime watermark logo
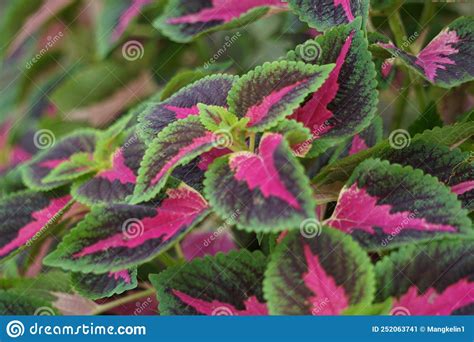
(319, 307)
(310, 228)
(222, 139)
(44, 139)
(222, 311)
(51, 220)
(316, 133)
(407, 41)
(142, 306)
(51, 42)
(133, 228)
(44, 311)
(399, 228)
(15, 329)
(229, 41)
(400, 311)
(223, 227)
(309, 51)
(399, 139)
(133, 50)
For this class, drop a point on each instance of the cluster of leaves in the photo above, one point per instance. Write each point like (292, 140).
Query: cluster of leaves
(289, 158)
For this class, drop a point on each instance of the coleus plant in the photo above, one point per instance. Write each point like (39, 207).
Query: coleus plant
(288, 156)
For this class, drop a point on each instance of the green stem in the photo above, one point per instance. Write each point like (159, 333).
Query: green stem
(179, 252)
(252, 142)
(396, 25)
(401, 103)
(124, 300)
(167, 260)
(427, 14)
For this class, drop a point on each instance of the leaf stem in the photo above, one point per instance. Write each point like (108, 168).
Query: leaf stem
(401, 103)
(252, 142)
(124, 300)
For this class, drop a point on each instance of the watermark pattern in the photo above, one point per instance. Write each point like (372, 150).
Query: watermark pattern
(51, 42)
(399, 228)
(319, 307)
(407, 41)
(227, 223)
(133, 228)
(222, 311)
(399, 139)
(51, 220)
(44, 139)
(15, 329)
(142, 306)
(309, 51)
(44, 311)
(310, 228)
(133, 50)
(400, 311)
(229, 41)
(222, 139)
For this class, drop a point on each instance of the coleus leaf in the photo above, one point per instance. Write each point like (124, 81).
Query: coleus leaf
(45, 162)
(323, 275)
(369, 137)
(273, 91)
(176, 145)
(17, 303)
(211, 90)
(385, 67)
(268, 189)
(386, 205)
(429, 279)
(204, 242)
(451, 166)
(447, 60)
(346, 103)
(337, 173)
(116, 183)
(183, 20)
(117, 237)
(325, 14)
(223, 285)
(95, 286)
(25, 214)
(113, 20)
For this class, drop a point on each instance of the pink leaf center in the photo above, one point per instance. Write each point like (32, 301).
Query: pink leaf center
(259, 171)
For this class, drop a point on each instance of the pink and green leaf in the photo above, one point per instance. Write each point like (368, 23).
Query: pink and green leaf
(430, 279)
(176, 145)
(385, 205)
(202, 242)
(451, 166)
(120, 236)
(114, 18)
(268, 189)
(35, 172)
(346, 103)
(447, 60)
(222, 285)
(24, 215)
(325, 14)
(211, 90)
(273, 91)
(323, 275)
(95, 286)
(337, 173)
(115, 184)
(184, 20)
